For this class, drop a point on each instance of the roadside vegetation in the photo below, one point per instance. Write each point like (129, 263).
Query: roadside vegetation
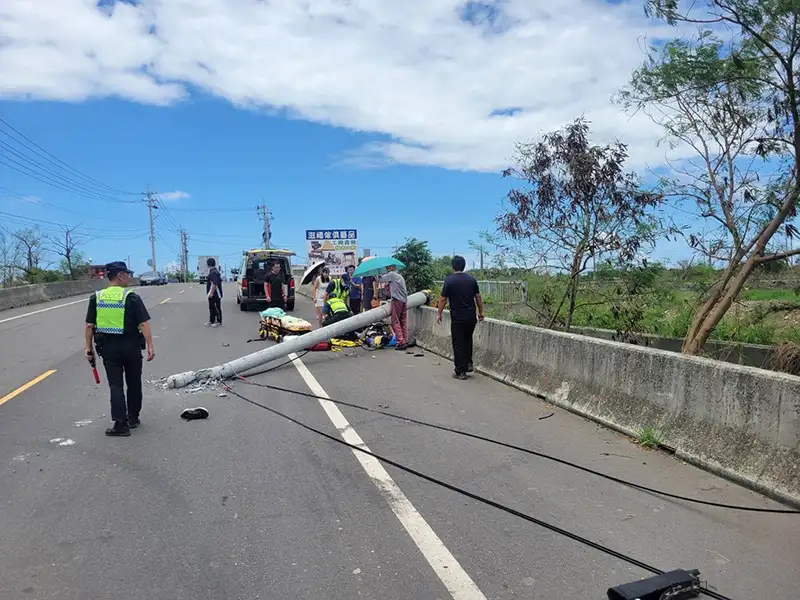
(578, 227)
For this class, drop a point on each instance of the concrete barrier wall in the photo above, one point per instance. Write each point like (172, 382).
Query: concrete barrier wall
(26, 295)
(752, 355)
(740, 422)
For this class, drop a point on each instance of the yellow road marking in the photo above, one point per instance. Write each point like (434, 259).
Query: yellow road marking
(28, 385)
(165, 301)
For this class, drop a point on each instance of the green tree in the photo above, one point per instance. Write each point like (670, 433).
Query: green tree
(730, 95)
(419, 273)
(575, 204)
(442, 267)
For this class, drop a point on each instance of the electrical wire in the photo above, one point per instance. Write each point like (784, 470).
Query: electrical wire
(454, 488)
(39, 202)
(88, 229)
(49, 173)
(51, 158)
(272, 368)
(522, 449)
(56, 184)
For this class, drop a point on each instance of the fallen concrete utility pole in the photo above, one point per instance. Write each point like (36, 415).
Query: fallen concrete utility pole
(242, 365)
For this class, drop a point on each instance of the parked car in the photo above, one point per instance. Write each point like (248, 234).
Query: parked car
(153, 278)
(256, 264)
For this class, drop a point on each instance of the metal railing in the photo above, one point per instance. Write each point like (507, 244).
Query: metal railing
(501, 292)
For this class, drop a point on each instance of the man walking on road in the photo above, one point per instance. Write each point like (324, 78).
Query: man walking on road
(214, 294)
(399, 299)
(118, 323)
(461, 289)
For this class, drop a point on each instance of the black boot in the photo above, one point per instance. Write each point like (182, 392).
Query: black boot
(119, 429)
(133, 422)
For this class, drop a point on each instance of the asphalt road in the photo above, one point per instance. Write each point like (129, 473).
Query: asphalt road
(247, 505)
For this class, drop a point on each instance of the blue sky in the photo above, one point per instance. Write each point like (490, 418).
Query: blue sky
(225, 158)
(395, 130)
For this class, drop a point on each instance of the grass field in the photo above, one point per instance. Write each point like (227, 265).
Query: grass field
(762, 315)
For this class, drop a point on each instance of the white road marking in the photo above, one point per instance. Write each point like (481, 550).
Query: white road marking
(444, 564)
(43, 310)
(36, 312)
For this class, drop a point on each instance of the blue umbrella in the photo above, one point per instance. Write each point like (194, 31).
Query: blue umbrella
(376, 266)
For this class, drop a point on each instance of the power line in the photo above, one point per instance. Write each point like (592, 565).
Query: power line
(466, 493)
(211, 209)
(51, 175)
(45, 222)
(36, 201)
(24, 170)
(42, 152)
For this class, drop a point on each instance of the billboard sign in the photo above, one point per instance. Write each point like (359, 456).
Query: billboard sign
(337, 247)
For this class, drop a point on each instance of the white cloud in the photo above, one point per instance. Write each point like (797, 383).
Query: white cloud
(176, 195)
(412, 70)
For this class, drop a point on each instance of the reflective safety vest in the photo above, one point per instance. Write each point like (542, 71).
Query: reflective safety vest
(111, 310)
(339, 290)
(337, 305)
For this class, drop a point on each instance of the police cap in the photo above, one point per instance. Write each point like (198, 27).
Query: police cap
(115, 268)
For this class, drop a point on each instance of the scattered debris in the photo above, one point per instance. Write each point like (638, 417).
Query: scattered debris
(225, 344)
(222, 395)
(613, 454)
(83, 423)
(63, 441)
(547, 416)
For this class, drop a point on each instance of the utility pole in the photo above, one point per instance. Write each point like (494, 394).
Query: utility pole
(480, 249)
(151, 204)
(184, 255)
(264, 212)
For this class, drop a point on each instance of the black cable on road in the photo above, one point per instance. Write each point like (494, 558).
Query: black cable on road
(512, 511)
(561, 461)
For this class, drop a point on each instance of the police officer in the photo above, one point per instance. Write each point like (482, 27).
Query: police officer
(118, 323)
(337, 288)
(335, 310)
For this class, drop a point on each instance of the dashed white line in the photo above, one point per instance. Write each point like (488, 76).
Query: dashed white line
(444, 564)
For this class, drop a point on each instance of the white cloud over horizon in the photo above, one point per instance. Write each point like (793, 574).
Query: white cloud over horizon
(415, 71)
(176, 195)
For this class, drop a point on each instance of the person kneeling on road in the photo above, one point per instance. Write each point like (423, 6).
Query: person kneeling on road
(118, 323)
(335, 310)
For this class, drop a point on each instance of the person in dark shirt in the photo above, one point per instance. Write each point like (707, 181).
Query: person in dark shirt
(356, 289)
(368, 285)
(120, 347)
(461, 290)
(275, 288)
(214, 294)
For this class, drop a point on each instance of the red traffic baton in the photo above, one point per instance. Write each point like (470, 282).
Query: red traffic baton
(94, 370)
